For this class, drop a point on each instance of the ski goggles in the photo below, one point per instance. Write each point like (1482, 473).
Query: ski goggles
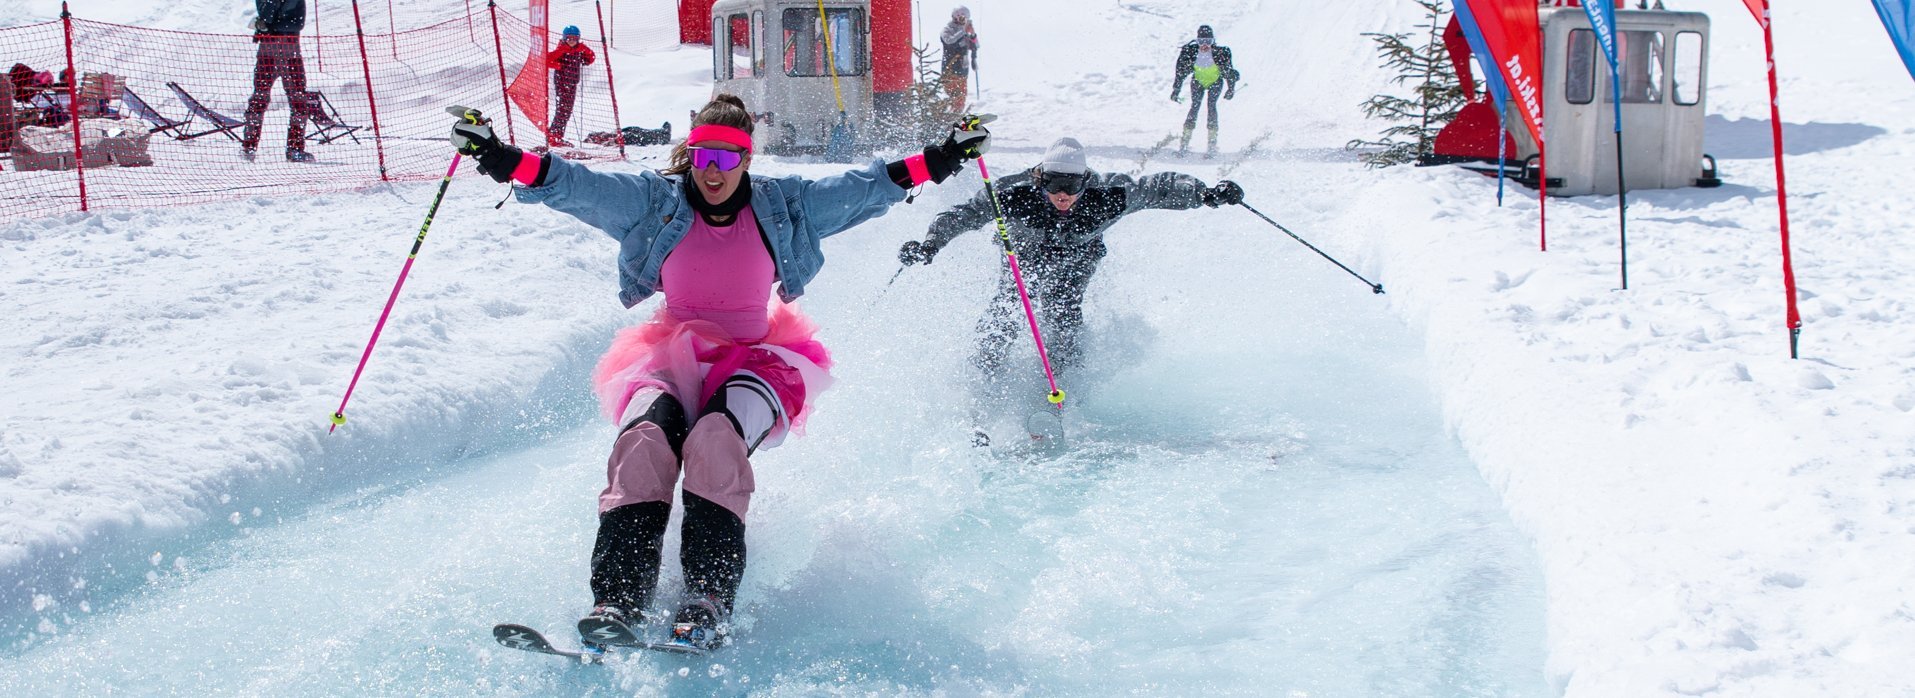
(726, 160)
(1063, 182)
(1206, 42)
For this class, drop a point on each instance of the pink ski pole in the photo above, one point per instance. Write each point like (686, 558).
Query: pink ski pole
(339, 415)
(1004, 236)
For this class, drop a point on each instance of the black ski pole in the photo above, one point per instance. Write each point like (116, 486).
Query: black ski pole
(894, 277)
(1377, 288)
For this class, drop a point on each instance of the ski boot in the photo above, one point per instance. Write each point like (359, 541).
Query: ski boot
(699, 625)
(609, 625)
(294, 155)
(1211, 152)
(1183, 146)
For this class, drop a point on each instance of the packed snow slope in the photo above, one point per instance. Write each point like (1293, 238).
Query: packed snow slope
(1712, 517)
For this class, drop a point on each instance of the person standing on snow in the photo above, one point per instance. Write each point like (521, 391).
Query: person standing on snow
(724, 367)
(960, 56)
(1058, 213)
(567, 62)
(276, 30)
(1210, 71)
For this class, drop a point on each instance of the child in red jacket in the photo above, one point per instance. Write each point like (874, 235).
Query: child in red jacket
(569, 59)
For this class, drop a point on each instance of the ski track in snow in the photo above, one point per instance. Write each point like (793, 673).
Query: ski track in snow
(1712, 518)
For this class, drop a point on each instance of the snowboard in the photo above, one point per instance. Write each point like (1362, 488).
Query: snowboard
(520, 637)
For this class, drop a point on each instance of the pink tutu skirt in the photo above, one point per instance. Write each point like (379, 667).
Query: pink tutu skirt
(690, 359)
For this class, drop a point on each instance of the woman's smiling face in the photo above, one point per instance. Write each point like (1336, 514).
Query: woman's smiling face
(714, 183)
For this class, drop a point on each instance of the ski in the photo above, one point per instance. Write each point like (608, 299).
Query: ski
(1046, 427)
(519, 637)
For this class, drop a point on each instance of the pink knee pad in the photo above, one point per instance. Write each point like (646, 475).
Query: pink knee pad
(716, 466)
(642, 468)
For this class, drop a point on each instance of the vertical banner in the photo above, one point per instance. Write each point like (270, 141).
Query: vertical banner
(1899, 17)
(1513, 37)
(1602, 18)
(1493, 83)
(529, 90)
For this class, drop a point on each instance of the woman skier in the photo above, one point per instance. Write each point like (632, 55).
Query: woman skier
(723, 368)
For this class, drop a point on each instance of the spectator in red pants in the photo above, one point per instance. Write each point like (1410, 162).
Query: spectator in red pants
(277, 33)
(567, 61)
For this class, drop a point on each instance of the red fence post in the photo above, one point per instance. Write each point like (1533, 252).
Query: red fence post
(365, 65)
(319, 47)
(73, 103)
(492, 8)
(618, 128)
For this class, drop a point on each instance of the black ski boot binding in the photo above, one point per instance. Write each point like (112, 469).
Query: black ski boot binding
(609, 625)
(699, 625)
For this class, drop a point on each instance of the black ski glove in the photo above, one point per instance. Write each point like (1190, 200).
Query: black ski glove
(473, 137)
(968, 140)
(1230, 92)
(915, 252)
(1177, 95)
(1225, 193)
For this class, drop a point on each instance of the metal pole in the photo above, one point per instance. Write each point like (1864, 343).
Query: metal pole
(1781, 186)
(492, 7)
(365, 66)
(618, 130)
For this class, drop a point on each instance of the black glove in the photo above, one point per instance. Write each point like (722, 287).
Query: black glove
(1230, 93)
(1177, 95)
(968, 140)
(473, 137)
(915, 252)
(1225, 193)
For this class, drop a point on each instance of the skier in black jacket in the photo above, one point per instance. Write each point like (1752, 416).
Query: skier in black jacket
(1210, 71)
(1057, 214)
(276, 30)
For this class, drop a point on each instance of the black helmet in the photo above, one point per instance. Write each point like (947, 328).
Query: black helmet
(1204, 32)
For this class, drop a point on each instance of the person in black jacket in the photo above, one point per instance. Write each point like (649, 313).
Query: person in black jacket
(1210, 71)
(1057, 214)
(276, 30)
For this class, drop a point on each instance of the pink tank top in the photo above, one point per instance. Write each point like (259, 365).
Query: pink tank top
(722, 275)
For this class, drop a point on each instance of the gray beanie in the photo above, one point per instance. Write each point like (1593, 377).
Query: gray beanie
(1066, 156)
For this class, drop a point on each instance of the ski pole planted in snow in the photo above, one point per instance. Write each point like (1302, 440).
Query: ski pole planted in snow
(339, 415)
(1376, 288)
(1004, 236)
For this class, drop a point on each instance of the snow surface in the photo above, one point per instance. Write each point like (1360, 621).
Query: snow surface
(1711, 517)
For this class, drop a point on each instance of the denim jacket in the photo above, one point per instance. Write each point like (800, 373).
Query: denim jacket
(648, 215)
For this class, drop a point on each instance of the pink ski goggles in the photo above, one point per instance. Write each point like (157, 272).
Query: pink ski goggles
(726, 160)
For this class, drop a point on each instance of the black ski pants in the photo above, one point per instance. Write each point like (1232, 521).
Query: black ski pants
(1199, 96)
(1056, 279)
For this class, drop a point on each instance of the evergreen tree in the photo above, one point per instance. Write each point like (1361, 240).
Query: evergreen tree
(1434, 100)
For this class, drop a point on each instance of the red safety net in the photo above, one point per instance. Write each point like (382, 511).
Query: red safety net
(163, 113)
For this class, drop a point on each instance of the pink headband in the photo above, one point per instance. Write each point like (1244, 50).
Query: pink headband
(722, 134)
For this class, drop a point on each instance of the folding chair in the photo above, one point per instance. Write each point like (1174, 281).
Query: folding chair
(161, 124)
(221, 122)
(327, 126)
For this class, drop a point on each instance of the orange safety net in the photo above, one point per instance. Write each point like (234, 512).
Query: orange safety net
(163, 114)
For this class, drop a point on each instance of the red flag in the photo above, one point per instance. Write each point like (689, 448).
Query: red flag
(1513, 33)
(529, 89)
(1759, 8)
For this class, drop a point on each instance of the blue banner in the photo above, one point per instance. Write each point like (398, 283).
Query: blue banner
(1899, 17)
(1602, 18)
(1492, 78)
